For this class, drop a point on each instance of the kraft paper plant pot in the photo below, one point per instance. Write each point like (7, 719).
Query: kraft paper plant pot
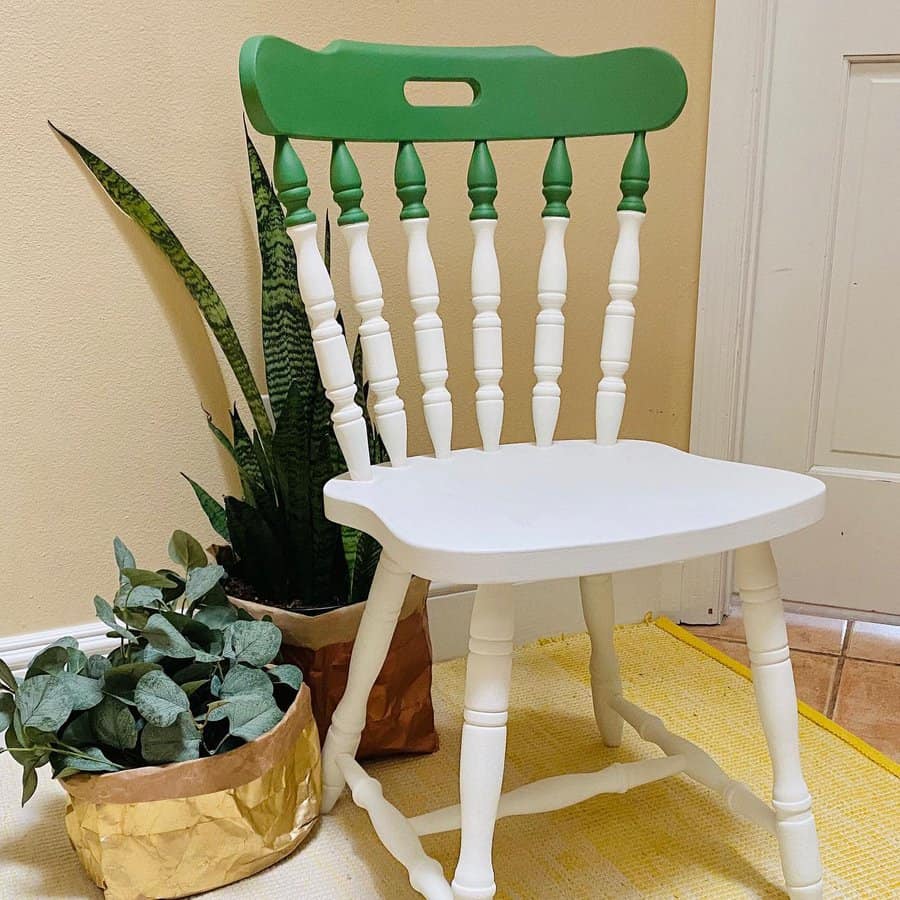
(400, 716)
(179, 829)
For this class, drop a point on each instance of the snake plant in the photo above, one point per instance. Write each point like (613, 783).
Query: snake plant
(282, 550)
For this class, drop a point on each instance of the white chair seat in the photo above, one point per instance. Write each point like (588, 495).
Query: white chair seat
(525, 513)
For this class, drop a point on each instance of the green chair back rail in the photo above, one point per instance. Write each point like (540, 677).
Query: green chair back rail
(356, 92)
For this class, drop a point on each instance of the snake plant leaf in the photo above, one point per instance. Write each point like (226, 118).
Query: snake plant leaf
(256, 642)
(177, 742)
(244, 680)
(201, 581)
(243, 450)
(114, 725)
(186, 551)
(249, 717)
(258, 549)
(50, 661)
(368, 552)
(163, 636)
(84, 692)
(159, 700)
(7, 708)
(287, 344)
(214, 510)
(43, 703)
(140, 211)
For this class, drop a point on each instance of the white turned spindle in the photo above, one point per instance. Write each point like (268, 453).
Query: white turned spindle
(549, 331)
(421, 277)
(329, 344)
(488, 670)
(431, 352)
(376, 629)
(395, 832)
(487, 336)
(332, 356)
(600, 617)
(618, 324)
(618, 327)
(552, 281)
(776, 699)
(365, 288)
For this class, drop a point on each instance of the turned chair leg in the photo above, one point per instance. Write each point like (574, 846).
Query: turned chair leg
(773, 682)
(376, 628)
(483, 754)
(599, 614)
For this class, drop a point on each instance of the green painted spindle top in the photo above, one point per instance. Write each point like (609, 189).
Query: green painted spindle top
(409, 179)
(291, 184)
(482, 181)
(557, 180)
(346, 185)
(635, 176)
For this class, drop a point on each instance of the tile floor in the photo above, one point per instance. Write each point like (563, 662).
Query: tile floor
(848, 670)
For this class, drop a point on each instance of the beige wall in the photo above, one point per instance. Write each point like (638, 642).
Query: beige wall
(106, 363)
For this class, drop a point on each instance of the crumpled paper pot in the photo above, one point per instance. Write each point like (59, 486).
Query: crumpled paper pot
(399, 714)
(175, 830)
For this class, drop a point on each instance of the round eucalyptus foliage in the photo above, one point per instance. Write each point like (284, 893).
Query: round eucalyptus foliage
(191, 676)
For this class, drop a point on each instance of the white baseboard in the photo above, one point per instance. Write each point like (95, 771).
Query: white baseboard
(17, 651)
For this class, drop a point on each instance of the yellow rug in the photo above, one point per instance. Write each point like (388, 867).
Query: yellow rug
(668, 839)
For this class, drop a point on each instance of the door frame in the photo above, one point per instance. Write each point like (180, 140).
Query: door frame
(736, 136)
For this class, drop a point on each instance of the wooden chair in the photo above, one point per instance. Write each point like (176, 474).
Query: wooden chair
(520, 512)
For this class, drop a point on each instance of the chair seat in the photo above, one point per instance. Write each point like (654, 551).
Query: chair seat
(525, 513)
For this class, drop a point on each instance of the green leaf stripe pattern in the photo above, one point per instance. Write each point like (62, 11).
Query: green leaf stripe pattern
(139, 210)
(287, 343)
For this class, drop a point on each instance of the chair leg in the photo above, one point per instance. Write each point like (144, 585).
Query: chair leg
(376, 628)
(483, 754)
(773, 682)
(599, 614)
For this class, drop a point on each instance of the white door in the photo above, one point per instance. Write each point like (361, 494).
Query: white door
(822, 383)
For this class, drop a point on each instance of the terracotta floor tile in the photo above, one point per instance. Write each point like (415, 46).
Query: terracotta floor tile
(813, 672)
(869, 640)
(868, 704)
(814, 633)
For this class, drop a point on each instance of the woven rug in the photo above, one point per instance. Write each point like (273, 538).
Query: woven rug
(668, 839)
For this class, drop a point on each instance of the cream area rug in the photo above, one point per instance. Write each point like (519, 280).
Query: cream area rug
(667, 839)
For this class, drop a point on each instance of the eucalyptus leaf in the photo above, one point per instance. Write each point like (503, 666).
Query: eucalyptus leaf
(124, 557)
(7, 708)
(192, 672)
(7, 677)
(84, 692)
(43, 703)
(144, 596)
(186, 551)
(159, 699)
(147, 578)
(97, 666)
(256, 643)
(243, 680)
(120, 680)
(287, 674)
(50, 661)
(89, 759)
(191, 687)
(107, 615)
(114, 724)
(249, 717)
(177, 742)
(166, 638)
(201, 581)
(29, 781)
(77, 661)
(217, 617)
(79, 732)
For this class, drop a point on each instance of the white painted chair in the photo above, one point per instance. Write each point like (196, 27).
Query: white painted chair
(520, 512)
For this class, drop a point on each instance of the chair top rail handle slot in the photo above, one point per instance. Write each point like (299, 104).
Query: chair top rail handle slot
(355, 91)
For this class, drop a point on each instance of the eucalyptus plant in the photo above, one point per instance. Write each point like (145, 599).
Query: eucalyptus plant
(281, 545)
(192, 676)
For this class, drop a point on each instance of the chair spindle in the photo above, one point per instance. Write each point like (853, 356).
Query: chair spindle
(488, 344)
(421, 277)
(552, 282)
(618, 326)
(365, 288)
(329, 343)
